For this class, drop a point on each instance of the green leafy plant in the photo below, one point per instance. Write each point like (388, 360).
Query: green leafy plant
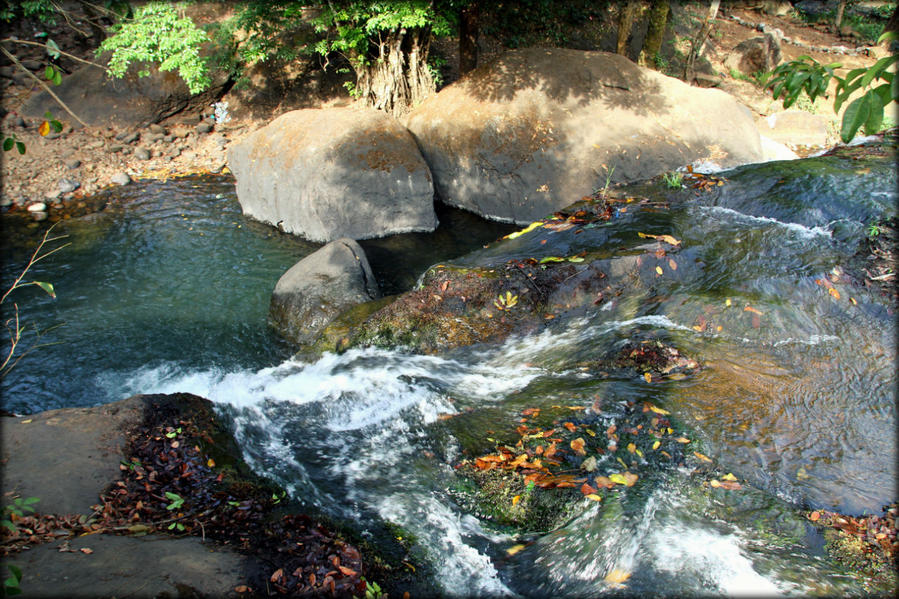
(12, 582)
(806, 76)
(505, 302)
(674, 180)
(176, 500)
(873, 231)
(13, 142)
(157, 34)
(17, 509)
(372, 590)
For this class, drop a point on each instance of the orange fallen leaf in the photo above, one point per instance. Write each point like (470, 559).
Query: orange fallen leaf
(516, 499)
(587, 489)
(578, 446)
(570, 426)
(834, 293)
(210, 462)
(241, 588)
(682, 439)
(672, 264)
(44, 129)
(753, 310)
(648, 377)
(617, 576)
(278, 575)
(702, 457)
(87, 550)
(814, 516)
(346, 571)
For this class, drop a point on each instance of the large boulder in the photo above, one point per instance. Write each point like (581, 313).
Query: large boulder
(757, 54)
(131, 101)
(334, 172)
(539, 128)
(319, 287)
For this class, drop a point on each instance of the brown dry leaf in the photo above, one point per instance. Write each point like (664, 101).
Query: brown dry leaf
(578, 446)
(346, 571)
(629, 479)
(278, 575)
(753, 310)
(681, 439)
(587, 489)
(604, 482)
(672, 264)
(87, 550)
(443, 286)
(241, 588)
(702, 457)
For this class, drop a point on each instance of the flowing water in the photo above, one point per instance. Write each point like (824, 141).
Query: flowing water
(795, 395)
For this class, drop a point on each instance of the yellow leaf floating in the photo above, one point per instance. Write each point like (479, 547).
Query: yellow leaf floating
(514, 549)
(658, 410)
(729, 476)
(702, 457)
(833, 292)
(44, 129)
(659, 270)
(681, 439)
(648, 377)
(617, 576)
(593, 497)
(527, 229)
(727, 302)
(631, 447)
(666, 238)
(656, 445)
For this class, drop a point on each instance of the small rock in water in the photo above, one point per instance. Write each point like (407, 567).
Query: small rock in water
(73, 164)
(68, 185)
(39, 215)
(204, 127)
(142, 154)
(120, 178)
(37, 207)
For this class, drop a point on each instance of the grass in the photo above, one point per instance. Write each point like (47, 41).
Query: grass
(674, 180)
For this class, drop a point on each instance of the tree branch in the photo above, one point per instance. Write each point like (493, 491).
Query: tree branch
(66, 54)
(42, 84)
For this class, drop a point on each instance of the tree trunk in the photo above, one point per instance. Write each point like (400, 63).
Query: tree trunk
(396, 77)
(838, 20)
(658, 19)
(468, 38)
(625, 24)
(699, 41)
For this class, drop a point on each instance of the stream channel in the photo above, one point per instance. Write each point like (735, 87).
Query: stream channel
(167, 290)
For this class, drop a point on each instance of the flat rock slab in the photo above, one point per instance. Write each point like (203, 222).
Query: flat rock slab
(130, 567)
(66, 457)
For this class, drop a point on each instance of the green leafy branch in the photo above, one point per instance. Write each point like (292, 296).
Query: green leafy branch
(806, 75)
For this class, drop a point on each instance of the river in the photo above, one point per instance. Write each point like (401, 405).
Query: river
(167, 290)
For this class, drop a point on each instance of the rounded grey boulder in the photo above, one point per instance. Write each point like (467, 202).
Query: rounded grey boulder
(336, 172)
(540, 128)
(318, 288)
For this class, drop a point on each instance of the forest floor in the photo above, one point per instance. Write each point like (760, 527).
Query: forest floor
(87, 158)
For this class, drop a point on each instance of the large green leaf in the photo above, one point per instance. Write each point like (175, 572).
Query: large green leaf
(875, 112)
(855, 116)
(877, 69)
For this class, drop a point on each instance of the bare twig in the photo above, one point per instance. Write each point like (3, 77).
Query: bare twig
(62, 52)
(42, 84)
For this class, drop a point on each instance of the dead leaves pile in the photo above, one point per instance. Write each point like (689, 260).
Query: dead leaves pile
(878, 533)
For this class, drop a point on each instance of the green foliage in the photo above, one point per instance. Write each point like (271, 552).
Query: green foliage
(806, 75)
(372, 590)
(176, 500)
(873, 231)
(43, 10)
(157, 34)
(674, 180)
(11, 583)
(353, 28)
(19, 507)
(12, 141)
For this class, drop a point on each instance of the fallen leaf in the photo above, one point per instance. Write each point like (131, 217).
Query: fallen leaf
(527, 229)
(570, 426)
(346, 571)
(589, 464)
(241, 588)
(658, 410)
(727, 303)
(729, 476)
(617, 576)
(631, 447)
(587, 489)
(87, 550)
(516, 499)
(278, 575)
(680, 439)
(834, 293)
(593, 497)
(753, 310)
(672, 264)
(656, 445)
(648, 377)
(666, 238)
(659, 270)
(702, 457)
(44, 129)
(210, 462)
(578, 446)
(514, 549)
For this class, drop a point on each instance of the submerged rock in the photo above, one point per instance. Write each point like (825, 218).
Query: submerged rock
(319, 287)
